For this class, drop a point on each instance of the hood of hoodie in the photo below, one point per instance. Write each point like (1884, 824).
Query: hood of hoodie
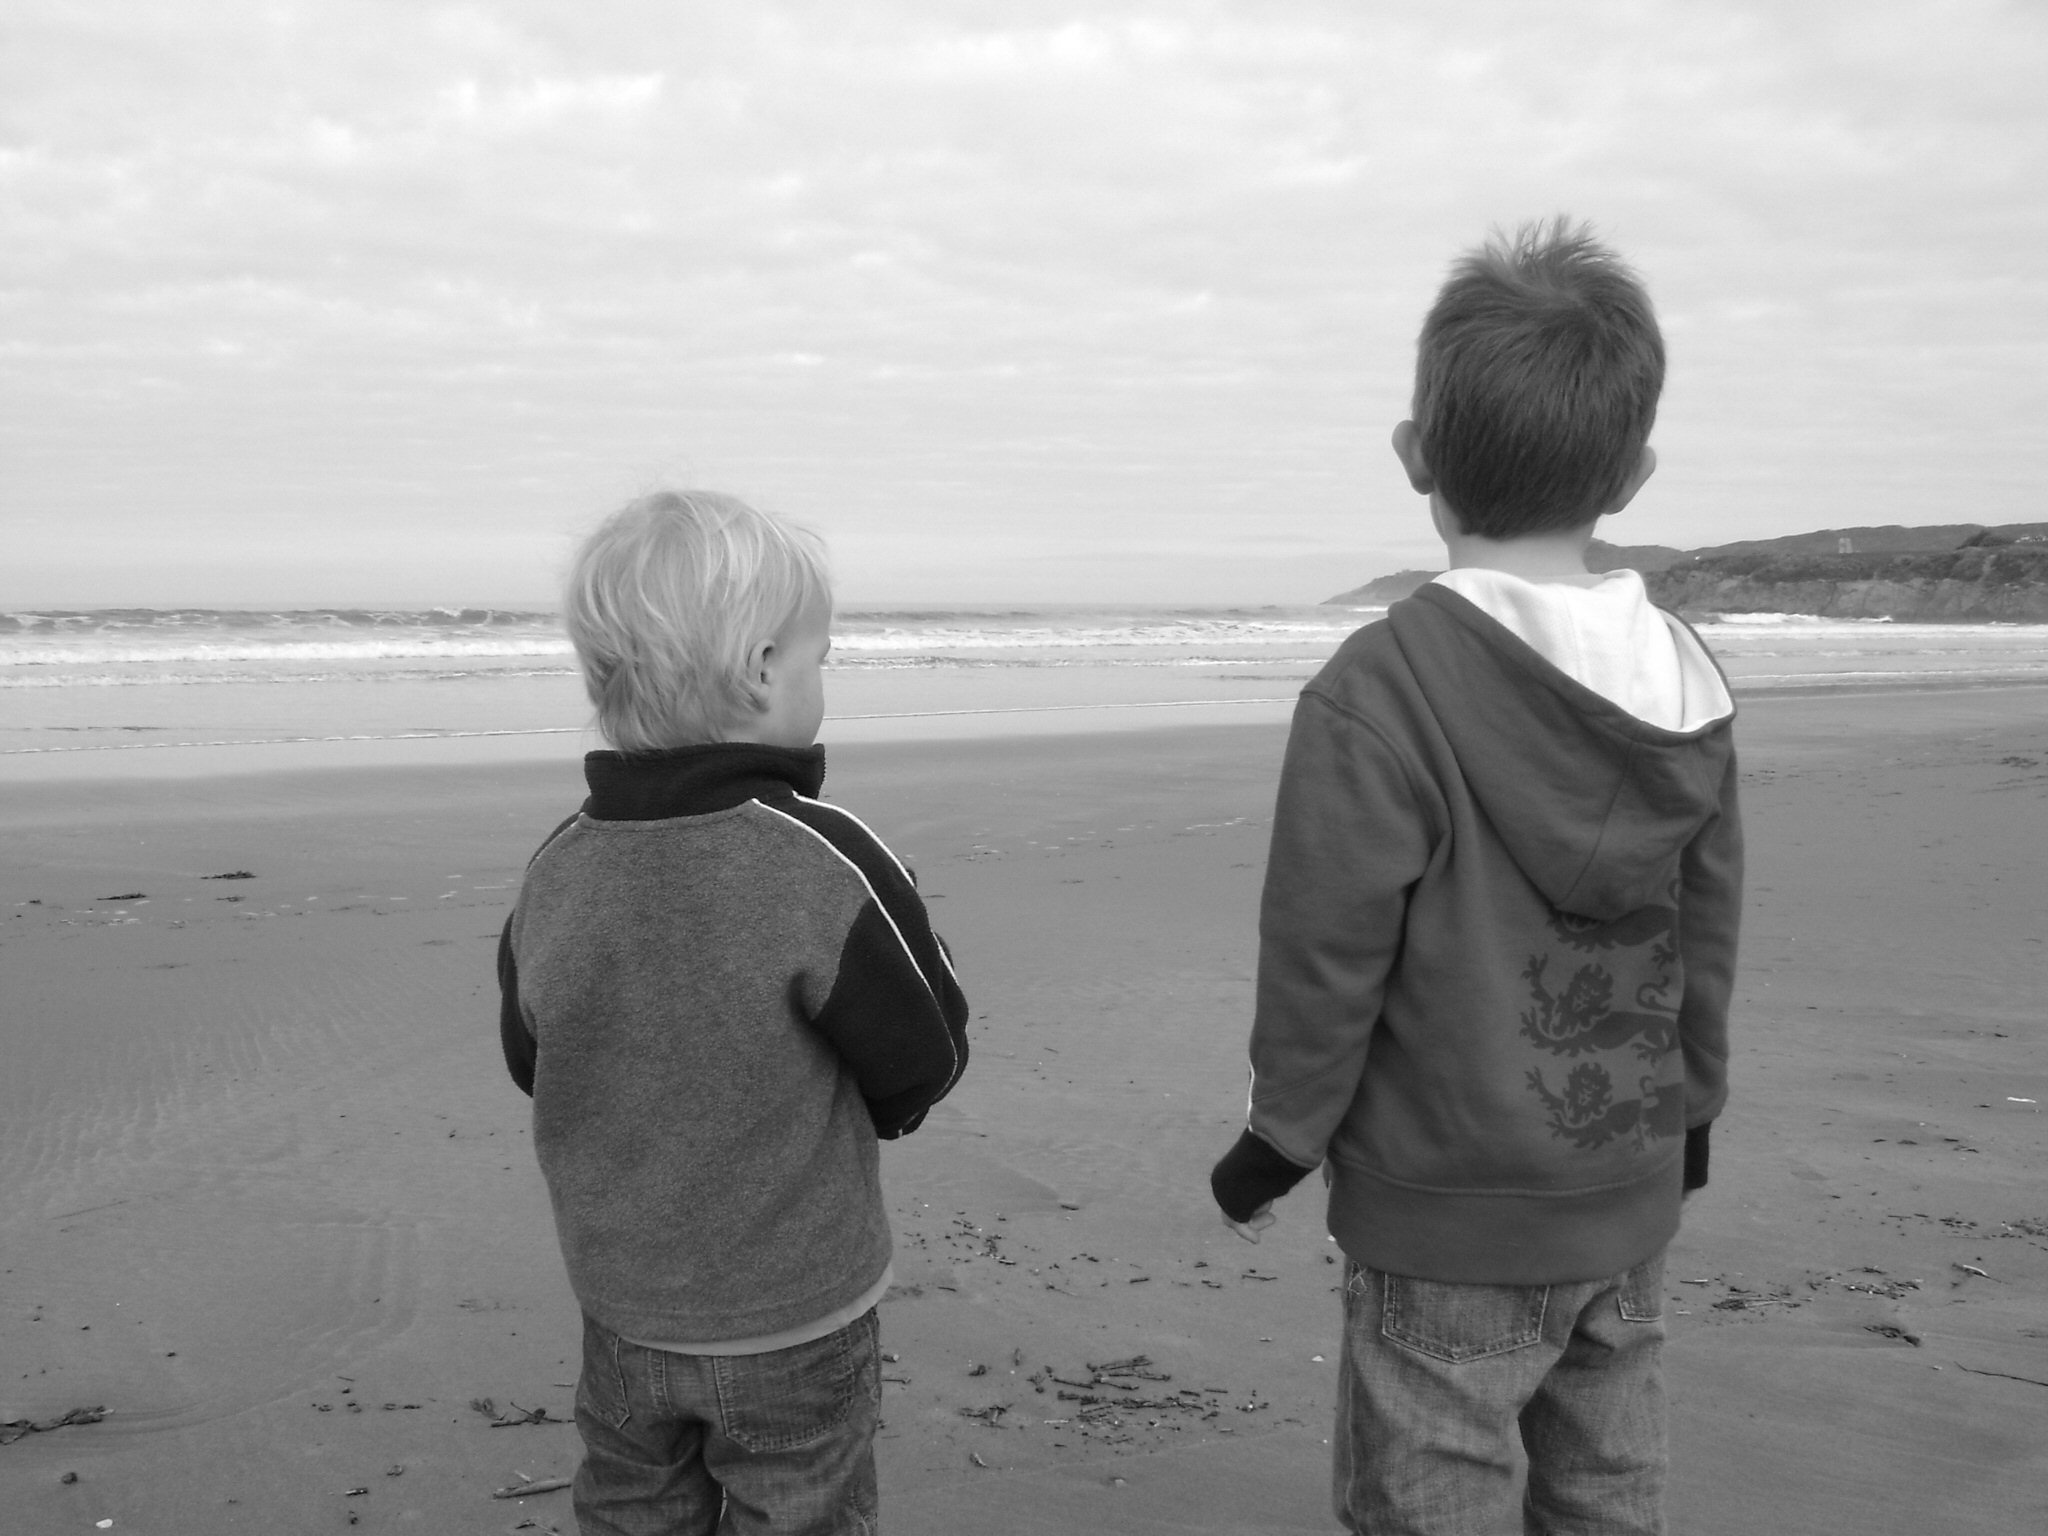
(1593, 804)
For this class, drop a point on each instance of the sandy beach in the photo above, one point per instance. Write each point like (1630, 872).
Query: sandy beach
(266, 1194)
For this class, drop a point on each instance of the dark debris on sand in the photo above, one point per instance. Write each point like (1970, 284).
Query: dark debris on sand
(1056, 1407)
(19, 1428)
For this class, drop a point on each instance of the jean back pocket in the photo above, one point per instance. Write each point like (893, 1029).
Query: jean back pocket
(1453, 1322)
(1642, 1291)
(791, 1397)
(601, 1387)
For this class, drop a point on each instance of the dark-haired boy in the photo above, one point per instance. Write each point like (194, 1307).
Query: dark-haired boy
(1498, 935)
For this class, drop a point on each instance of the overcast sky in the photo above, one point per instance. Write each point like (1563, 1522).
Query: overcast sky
(330, 301)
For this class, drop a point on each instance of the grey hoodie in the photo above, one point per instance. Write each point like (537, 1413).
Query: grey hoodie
(1496, 948)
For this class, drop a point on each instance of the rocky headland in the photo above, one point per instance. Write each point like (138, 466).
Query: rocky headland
(1958, 573)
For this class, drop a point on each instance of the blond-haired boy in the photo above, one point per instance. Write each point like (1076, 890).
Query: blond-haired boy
(720, 991)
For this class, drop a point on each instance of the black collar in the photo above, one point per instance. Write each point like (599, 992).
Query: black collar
(697, 780)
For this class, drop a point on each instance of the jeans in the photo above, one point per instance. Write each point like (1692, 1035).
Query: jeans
(1437, 1376)
(688, 1445)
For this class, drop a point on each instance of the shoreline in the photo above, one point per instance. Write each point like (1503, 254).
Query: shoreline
(218, 759)
(181, 760)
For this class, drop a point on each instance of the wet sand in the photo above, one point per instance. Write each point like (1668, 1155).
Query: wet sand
(266, 1194)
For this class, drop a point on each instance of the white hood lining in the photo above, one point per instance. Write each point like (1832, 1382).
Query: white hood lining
(1604, 632)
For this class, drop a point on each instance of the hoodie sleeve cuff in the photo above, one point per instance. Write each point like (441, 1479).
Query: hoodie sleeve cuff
(1696, 1157)
(1250, 1175)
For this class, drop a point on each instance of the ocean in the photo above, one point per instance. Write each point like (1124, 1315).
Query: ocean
(161, 681)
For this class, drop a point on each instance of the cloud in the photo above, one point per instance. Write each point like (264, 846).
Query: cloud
(973, 276)
(541, 103)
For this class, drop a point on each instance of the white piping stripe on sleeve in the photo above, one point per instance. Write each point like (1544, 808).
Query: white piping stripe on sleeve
(908, 954)
(837, 810)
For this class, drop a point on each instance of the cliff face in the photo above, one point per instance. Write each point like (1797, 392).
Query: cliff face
(1956, 573)
(2006, 583)
(1380, 590)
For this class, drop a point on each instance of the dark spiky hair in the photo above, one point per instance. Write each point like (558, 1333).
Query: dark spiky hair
(1536, 381)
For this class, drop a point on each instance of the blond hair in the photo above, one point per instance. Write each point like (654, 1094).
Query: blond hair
(665, 603)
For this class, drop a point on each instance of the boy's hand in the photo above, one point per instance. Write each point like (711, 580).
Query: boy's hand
(1250, 1228)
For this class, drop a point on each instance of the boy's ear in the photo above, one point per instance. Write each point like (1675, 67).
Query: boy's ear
(760, 673)
(1646, 466)
(1408, 449)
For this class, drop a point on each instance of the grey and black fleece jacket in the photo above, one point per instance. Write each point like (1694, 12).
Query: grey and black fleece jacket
(719, 991)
